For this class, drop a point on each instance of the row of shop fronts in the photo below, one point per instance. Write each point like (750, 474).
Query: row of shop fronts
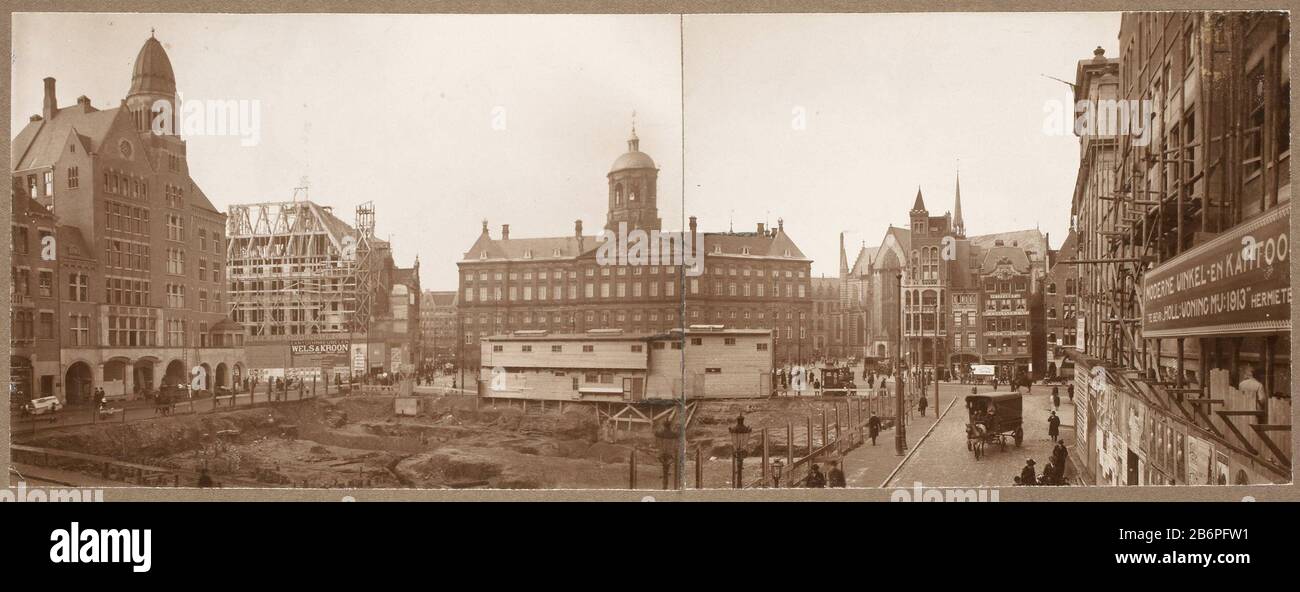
(122, 374)
(326, 358)
(130, 373)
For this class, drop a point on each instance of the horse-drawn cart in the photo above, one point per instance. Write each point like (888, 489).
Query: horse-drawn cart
(993, 418)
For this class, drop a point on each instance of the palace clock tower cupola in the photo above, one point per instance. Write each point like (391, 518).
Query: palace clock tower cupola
(633, 189)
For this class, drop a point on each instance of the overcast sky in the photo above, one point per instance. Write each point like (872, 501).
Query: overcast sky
(400, 111)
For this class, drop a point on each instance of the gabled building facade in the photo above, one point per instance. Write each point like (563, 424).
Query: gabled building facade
(141, 249)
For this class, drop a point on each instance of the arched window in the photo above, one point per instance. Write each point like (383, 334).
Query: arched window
(618, 194)
(1069, 287)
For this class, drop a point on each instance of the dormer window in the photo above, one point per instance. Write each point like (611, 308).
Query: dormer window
(482, 255)
(717, 249)
(555, 253)
(787, 252)
(744, 251)
(528, 254)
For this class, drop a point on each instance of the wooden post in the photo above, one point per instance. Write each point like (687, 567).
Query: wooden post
(810, 437)
(837, 421)
(1270, 376)
(789, 447)
(1178, 380)
(825, 433)
(763, 478)
(699, 468)
(1234, 366)
(631, 476)
(1159, 358)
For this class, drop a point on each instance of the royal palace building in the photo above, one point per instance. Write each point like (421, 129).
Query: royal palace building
(566, 284)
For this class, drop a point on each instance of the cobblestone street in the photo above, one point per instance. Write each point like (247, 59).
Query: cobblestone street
(943, 460)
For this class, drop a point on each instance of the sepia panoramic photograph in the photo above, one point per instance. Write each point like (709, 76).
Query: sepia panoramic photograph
(973, 254)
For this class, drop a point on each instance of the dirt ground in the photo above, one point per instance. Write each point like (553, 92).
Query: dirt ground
(358, 441)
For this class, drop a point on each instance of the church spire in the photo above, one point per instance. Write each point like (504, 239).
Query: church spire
(958, 225)
(844, 258)
(919, 204)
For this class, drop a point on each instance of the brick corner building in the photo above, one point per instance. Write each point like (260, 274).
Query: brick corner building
(131, 298)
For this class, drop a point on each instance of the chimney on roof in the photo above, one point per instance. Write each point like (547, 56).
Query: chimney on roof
(485, 230)
(693, 227)
(84, 102)
(780, 224)
(505, 232)
(51, 102)
(760, 228)
(577, 233)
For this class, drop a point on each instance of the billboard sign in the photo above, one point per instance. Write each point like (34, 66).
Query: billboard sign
(1240, 282)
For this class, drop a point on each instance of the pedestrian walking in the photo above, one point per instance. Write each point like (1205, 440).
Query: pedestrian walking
(1056, 398)
(816, 479)
(1070, 389)
(835, 478)
(873, 427)
(1053, 426)
(921, 405)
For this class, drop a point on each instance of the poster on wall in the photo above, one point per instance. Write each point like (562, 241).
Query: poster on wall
(1081, 417)
(1118, 457)
(1221, 467)
(1199, 453)
(359, 360)
(1180, 469)
(1137, 413)
(1105, 464)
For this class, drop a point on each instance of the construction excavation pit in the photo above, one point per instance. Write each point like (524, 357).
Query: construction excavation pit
(452, 442)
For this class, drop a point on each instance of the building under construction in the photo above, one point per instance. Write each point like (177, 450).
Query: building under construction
(318, 297)
(1182, 210)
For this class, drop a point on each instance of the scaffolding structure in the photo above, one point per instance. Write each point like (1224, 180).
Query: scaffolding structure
(1213, 90)
(295, 269)
(1145, 202)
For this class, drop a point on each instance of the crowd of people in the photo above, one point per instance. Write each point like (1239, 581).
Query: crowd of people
(1053, 473)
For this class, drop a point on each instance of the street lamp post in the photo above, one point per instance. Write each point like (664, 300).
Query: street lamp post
(776, 473)
(938, 311)
(666, 439)
(739, 440)
(900, 431)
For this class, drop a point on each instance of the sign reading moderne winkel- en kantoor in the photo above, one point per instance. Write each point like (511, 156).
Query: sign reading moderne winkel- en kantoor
(1237, 283)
